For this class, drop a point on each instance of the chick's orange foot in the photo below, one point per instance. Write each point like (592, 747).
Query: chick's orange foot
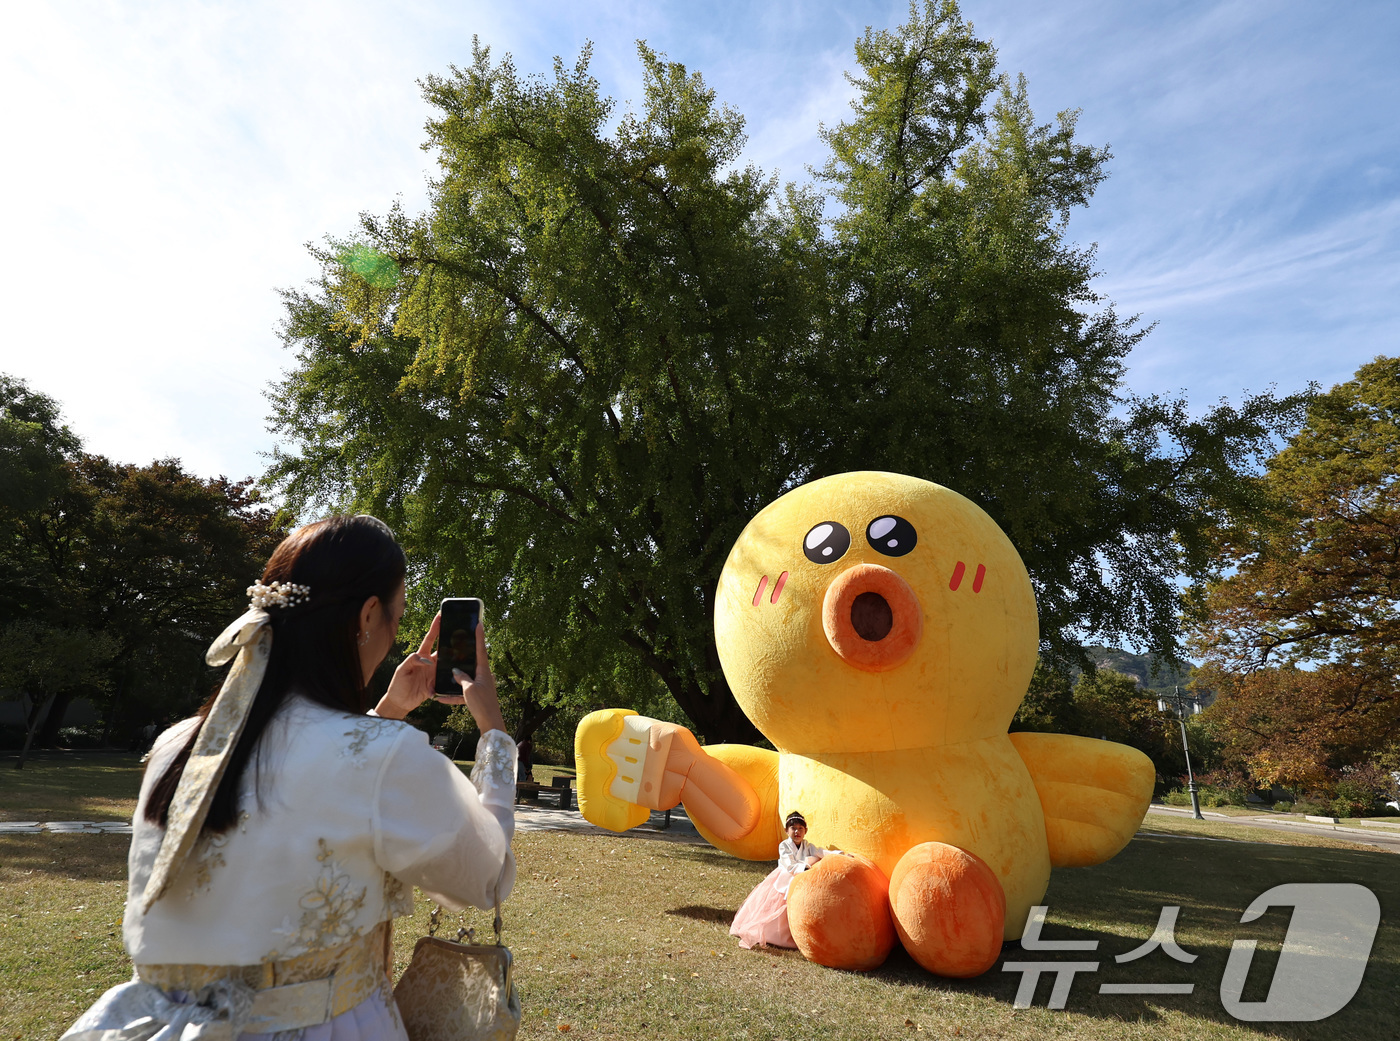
(949, 909)
(839, 913)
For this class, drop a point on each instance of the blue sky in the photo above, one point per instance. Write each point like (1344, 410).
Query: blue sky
(167, 162)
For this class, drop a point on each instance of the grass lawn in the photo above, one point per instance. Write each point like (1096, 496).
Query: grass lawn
(73, 786)
(542, 774)
(624, 937)
(102, 786)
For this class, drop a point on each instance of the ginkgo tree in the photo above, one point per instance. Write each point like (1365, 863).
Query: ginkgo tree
(607, 342)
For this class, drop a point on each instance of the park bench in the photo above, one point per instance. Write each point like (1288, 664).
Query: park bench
(558, 787)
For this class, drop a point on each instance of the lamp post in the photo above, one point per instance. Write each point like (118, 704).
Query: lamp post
(1183, 705)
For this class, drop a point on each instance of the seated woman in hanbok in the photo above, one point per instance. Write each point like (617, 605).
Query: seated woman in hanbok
(282, 829)
(762, 917)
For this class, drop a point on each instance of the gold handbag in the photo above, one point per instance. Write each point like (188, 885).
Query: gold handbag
(455, 991)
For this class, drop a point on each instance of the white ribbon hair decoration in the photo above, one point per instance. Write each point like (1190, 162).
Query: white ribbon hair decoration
(250, 638)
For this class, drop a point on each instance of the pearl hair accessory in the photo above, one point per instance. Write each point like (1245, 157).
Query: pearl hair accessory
(278, 594)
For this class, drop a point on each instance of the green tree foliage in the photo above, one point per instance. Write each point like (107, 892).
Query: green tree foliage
(589, 384)
(605, 350)
(1103, 703)
(977, 357)
(1048, 706)
(1114, 707)
(1300, 627)
(46, 663)
(166, 559)
(117, 576)
(36, 449)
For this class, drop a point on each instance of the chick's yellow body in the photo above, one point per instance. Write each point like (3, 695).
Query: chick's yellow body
(881, 753)
(971, 795)
(880, 631)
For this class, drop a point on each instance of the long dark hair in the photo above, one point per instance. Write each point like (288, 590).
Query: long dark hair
(345, 561)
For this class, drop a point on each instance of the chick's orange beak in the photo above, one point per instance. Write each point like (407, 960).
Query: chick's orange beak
(872, 618)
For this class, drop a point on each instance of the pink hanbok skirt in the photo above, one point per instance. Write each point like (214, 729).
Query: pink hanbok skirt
(762, 917)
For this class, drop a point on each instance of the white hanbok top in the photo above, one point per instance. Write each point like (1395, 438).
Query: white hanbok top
(792, 860)
(350, 813)
(793, 856)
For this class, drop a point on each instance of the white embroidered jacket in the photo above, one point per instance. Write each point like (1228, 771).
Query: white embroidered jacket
(350, 814)
(793, 857)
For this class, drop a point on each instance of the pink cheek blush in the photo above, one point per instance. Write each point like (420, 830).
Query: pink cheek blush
(778, 587)
(762, 584)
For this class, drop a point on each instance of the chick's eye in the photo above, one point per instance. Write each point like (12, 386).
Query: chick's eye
(827, 542)
(892, 536)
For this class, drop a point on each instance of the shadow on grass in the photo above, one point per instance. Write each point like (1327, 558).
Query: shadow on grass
(82, 858)
(708, 856)
(700, 913)
(1118, 903)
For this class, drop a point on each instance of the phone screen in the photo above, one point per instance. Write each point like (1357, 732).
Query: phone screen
(456, 645)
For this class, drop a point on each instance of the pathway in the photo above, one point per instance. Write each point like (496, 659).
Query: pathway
(547, 818)
(1382, 836)
(527, 818)
(65, 827)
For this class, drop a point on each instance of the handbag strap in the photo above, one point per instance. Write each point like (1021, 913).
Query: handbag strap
(465, 933)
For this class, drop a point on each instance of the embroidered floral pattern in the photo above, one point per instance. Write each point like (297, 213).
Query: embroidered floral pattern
(208, 856)
(398, 898)
(328, 911)
(365, 729)
(494, 768)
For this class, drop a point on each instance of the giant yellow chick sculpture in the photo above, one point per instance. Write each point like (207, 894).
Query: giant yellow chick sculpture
(880, 630)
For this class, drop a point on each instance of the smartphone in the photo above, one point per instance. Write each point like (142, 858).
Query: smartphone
(456, 644)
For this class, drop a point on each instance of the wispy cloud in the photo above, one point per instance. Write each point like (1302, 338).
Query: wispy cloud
(1363, 245)
(167, 161)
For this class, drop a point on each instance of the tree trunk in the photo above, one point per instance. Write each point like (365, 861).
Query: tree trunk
(716, 716)
(535, 717)
(36, 716)
(111, 713)
(53, 722)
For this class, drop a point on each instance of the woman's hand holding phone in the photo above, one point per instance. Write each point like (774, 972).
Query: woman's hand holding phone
(479, 691)
(414, 680)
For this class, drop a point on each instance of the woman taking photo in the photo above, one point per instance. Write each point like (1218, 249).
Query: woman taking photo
(281, 830)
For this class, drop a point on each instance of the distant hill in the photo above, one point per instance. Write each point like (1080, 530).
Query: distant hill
(1150, 672)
